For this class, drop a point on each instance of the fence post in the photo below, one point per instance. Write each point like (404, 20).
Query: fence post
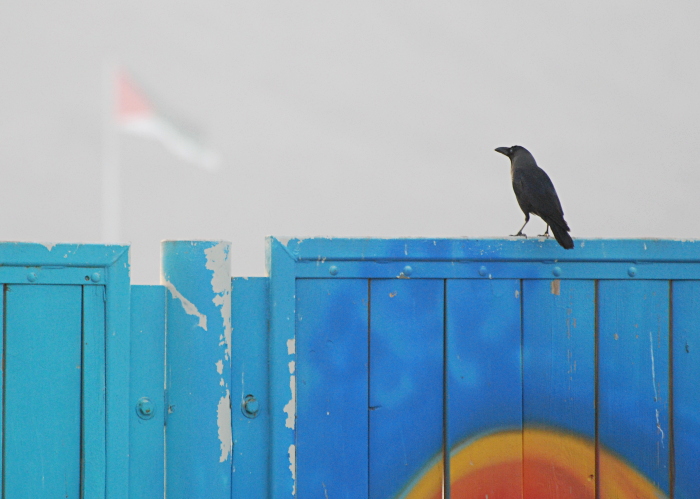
(197, 275)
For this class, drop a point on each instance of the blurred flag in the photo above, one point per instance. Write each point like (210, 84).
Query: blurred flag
(136, 115)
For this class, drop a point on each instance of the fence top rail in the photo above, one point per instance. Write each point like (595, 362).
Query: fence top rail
(59, 255)
(505, 249)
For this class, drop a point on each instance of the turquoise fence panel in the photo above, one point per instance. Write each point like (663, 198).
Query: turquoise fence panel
(484, 386)
(249, 382)
(147, 414)
(42, 426)
(405, 383)
(94, 393)
(559, 387)
(197, 276)
(332, 388)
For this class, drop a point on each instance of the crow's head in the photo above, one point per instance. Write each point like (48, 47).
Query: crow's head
(510, 151)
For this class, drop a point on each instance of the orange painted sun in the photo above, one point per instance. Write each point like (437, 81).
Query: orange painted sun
(556, 465)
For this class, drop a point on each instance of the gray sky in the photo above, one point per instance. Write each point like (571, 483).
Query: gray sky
(352, 119)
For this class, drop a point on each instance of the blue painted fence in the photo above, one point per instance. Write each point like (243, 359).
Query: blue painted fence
(358, 368)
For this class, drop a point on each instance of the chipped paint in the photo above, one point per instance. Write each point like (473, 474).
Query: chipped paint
(48, 246)
(291, 407)
(291, 346)
(292, 367)
(220, 367)
(223, 420)
(188, 306)
(517, 294)
(293, 467)
(284, 241)
(556, 287)
(218, 263)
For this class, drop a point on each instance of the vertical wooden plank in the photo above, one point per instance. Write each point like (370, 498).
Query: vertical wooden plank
(559, 388)
(43, 339)
(147, 380)
(633, 379)
(406, 382)
(686, 396)
(118, 317)
(332, 388)
(281, 266)
(484, 387)
(3, 370)
(94, 391)
(249, 378)
(198, 438)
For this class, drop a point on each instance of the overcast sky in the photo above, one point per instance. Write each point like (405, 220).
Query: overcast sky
(352, 119)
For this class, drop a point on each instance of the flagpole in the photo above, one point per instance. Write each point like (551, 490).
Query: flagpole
(111, 189)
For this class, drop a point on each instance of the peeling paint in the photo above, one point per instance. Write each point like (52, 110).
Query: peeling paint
(48, 246)
(292, 367)
(291, 346)
(217, 262)
(220, 367)
(653, 371)
(188, 306)
(284, 241)
(291, 407)
(223, 420)
(556, 287)
(293, 467)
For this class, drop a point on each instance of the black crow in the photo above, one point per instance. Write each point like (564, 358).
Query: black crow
(536, 194)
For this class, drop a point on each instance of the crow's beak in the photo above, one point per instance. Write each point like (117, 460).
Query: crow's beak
(503, 150)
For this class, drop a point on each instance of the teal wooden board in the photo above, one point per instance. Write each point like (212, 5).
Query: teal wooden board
(559, 382)
(406, 381)
(686, 396)
(94, 403)
(483, 364)
(249, 377)
(282, 383)
(146, 436)
(633, 376)
(332, 388)
(42, 427)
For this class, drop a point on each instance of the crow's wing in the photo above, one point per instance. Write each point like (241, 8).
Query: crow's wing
(538, 192)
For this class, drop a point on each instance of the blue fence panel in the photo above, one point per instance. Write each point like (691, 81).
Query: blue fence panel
(405, 383)
(332, 388)
(484, 387)
(148, 413)
(249, 382)
(353, 370)
(686, 396)
(633, 380)
(43, 339)
(559, 387)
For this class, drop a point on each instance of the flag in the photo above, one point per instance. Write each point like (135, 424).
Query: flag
(135, 114)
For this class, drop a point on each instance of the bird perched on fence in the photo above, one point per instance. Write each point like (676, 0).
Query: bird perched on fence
(536, 194)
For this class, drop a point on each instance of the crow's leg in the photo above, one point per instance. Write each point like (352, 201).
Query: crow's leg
(546, 233)
(520, 232)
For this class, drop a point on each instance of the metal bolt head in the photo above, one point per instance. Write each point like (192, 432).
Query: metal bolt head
(96, 277)
(407, 270)
(632, 271)
(483, 270)
(333, 270)
(32, 277)
(145, 408)
(556, 271)
(250, 406)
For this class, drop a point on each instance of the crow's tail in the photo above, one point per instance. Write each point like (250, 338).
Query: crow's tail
(561, 233)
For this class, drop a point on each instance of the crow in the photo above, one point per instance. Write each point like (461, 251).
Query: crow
(536, 194)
